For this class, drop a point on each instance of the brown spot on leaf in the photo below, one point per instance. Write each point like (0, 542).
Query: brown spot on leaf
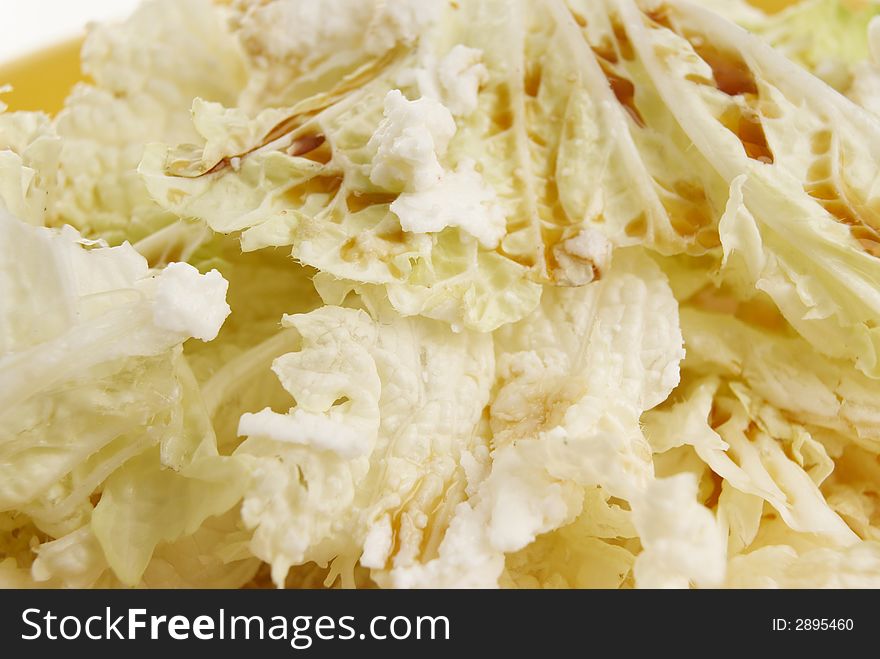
(605, 49)
(306, 144)
(532, 81)
(358, 201)
(660, 16)
(297, 194)
(746, 125)
(624, 45)
(732, 75)
(637, 227)
(624, 91)
(502, 116)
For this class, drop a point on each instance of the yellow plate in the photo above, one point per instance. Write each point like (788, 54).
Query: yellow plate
(43, 79)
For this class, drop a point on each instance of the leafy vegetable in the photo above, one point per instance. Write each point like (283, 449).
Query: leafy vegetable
(98, 398)
(563, 293)
(353, 450)
(145, 75)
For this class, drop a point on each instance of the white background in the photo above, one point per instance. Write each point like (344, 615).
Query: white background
(26, 25)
